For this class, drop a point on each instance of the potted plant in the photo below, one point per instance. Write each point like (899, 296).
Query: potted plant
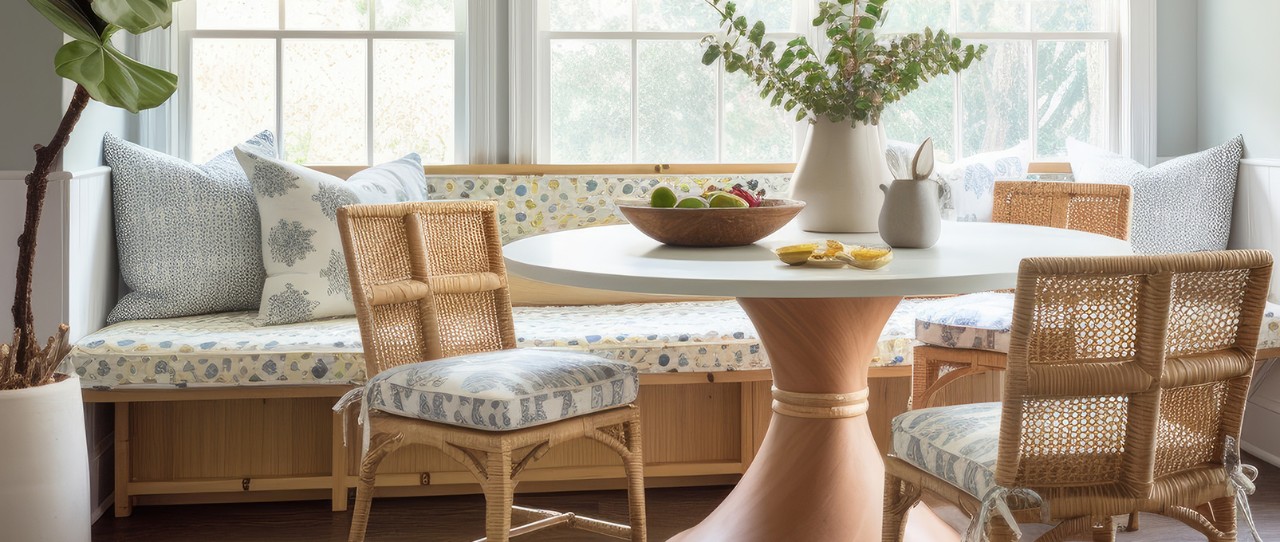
(842, 92)
(45, 494)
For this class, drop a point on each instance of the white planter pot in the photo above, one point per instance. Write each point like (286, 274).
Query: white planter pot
(838, 177)
(44, 464)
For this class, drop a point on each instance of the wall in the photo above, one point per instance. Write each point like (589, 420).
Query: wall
(1238, 82)
(31, 95)
(1176, 72)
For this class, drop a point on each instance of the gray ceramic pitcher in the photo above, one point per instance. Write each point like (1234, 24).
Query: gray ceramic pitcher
(911, 216)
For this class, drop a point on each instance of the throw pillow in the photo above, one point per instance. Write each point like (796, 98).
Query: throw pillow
(1182, 205)
(301, 247)
(968, 186)
(186, 234)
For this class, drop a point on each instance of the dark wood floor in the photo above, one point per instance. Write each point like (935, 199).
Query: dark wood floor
(462, 518)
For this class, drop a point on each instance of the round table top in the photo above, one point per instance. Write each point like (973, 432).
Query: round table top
(969, 257)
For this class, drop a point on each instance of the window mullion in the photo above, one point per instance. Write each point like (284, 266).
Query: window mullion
(1033, 130)
(368, 97)
(280, 87)
(635, 101)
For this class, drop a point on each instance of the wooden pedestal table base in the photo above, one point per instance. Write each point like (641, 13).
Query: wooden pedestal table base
(818, 475)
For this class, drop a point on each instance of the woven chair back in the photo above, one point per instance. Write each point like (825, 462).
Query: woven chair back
(1127, 369)
(427, 279)
(1095, 208)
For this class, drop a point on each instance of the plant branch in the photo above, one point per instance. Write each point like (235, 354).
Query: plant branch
(25, 346)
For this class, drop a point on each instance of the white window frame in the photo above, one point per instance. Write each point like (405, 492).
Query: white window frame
(501, 101)
(179, 40)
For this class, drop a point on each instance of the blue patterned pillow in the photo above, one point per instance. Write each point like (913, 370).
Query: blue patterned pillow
(187, 235)
(301, 247)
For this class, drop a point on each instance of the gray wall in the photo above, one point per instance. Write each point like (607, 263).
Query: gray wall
(1239, 82)
(1176, 84)
(31, 97)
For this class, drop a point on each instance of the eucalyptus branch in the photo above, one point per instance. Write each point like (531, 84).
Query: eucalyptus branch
(856, 80)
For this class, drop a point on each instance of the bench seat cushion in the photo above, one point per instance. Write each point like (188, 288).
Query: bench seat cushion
(228, 350)
(505, 390)
(983, 321)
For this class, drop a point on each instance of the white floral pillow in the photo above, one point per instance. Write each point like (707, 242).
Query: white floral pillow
(301, 247)
(968, 186)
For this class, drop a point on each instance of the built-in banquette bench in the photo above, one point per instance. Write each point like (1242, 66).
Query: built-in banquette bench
(212, 408)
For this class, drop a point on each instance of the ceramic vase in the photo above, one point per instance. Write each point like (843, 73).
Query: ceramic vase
(838, 176)
(912, 215)
(44, 463)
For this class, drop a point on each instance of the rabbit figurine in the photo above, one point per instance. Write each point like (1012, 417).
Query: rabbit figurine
(911, 216)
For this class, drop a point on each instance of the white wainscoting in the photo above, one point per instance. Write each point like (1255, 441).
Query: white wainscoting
(92, 274)
(1257, 211)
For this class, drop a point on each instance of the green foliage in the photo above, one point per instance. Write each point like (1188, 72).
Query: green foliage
(90, 60)
(856, 79)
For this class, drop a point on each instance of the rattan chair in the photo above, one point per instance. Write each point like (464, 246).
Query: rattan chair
(1096, 208)
(1125, 392)
(430, 290)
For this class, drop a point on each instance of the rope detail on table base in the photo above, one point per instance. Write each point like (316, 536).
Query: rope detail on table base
(820, 405)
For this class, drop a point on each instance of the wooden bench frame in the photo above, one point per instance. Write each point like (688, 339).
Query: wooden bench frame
(890, 385)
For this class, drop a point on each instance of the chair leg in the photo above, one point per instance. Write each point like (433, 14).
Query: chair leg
(1133, 522)
(634, 465)
(1105, 530)
(498, 494)
(899, 497)
(379, 446)
(1224, 518)
(1000, 531)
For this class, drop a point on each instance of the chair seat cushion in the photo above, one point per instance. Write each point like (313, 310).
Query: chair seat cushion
(504, 390)
(982, 322)
(958, 444)
(977, 321)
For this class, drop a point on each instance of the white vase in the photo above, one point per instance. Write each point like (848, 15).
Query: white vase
(838, 177)
(44, 464)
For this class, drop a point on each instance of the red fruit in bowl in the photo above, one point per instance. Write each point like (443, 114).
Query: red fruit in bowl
(751, 199)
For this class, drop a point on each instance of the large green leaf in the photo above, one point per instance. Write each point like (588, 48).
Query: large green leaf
(111, 77)
(68, 17)
(136, 16)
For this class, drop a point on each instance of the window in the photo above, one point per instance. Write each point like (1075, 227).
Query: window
(605, 81)
(340, 81)
(1050, 74)
(623, 82)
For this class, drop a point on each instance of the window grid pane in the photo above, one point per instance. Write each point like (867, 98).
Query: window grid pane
(591, 101)
(1071, 94)
(325, 112)
(414, 100)
(230, 100)
(677, 108)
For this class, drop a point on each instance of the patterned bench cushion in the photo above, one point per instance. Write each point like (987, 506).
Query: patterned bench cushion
(983, 321)
(958, 444)
(505, 390)
(228, 350)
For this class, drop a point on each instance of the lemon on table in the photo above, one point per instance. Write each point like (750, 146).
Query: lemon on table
(870, 256)
(692, 202)
(796, 254)
(662, 196)
(727, 200)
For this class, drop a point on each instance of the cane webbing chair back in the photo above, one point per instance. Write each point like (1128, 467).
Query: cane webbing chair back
(1126, 370)
(1095, 208)
(428, 279)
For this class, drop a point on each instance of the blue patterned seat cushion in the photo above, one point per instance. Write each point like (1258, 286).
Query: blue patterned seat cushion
(983, 322)
(958, 444)
(229, 350)
(978, 321)
(504, 390)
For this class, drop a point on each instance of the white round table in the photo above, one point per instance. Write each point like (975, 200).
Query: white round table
(818, 474)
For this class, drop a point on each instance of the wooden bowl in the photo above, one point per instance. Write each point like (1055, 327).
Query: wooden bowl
(712, 226)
